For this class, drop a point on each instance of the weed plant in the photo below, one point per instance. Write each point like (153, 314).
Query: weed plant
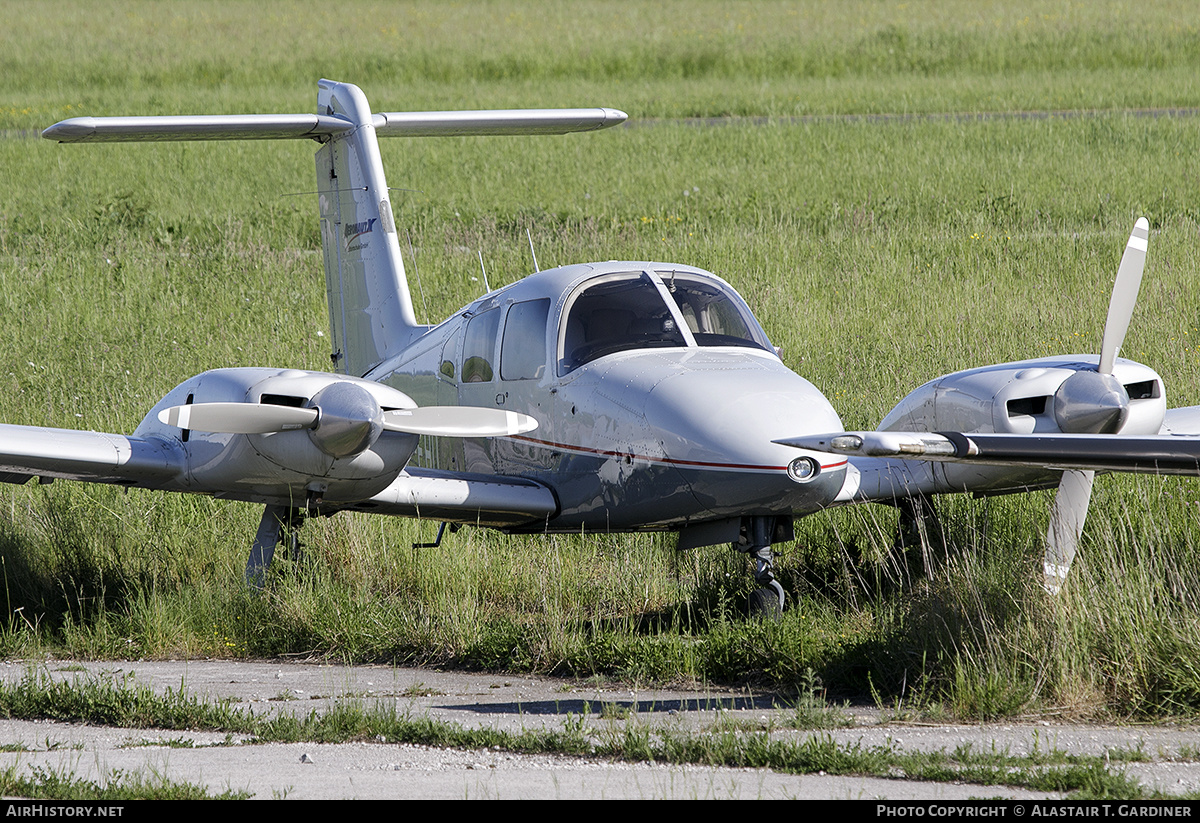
(52, 784)
(877, 253)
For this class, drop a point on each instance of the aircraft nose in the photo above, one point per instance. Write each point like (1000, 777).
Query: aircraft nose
(716, 426)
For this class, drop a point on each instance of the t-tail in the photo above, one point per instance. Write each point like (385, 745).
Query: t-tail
(371, 314)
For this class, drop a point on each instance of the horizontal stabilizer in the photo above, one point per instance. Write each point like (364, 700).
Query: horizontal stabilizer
(319, 126)
(195, 127)
(498, 122)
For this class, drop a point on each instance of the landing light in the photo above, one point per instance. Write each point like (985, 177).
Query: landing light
(803, 469)
(847, 443)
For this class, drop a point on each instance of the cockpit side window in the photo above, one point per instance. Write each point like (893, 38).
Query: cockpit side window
(446, 370)
(615, 315)
(523, 345)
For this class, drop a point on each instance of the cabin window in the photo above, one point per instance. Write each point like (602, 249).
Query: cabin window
(479, 347)
(446, 367)
(615, 315)
(523, 346)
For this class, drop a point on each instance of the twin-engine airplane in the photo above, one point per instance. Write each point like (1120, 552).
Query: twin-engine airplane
(610, 397)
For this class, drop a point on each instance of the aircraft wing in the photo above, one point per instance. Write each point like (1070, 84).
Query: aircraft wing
(32, 451)
(1177, 454)
(159, 463)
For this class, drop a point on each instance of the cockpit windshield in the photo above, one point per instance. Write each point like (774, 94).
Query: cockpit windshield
(617, 314)
(710, 313)
(638, 310)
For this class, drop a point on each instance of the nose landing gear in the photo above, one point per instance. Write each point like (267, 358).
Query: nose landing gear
(759, 533)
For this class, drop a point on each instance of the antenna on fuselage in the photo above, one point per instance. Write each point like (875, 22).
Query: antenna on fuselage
(486, 287)
(536, 267)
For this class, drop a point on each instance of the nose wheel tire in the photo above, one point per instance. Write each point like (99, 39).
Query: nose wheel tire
(767, 602)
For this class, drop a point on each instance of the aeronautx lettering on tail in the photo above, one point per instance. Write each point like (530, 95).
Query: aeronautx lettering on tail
(600, 397)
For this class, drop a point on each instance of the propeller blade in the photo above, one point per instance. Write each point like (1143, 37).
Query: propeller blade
(458, 421)
(238, 418)
(1124, 296)
(1066, 525)
(1109, 407)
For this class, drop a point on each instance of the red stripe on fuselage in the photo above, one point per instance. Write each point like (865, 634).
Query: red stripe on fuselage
(667, 460)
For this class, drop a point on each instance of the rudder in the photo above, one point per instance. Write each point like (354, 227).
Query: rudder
(370, 308)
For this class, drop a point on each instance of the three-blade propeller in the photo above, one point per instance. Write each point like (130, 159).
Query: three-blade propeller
(1093, 402)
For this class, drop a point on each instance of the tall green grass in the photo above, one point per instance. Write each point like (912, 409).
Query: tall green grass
(877, 254)
(667, 58)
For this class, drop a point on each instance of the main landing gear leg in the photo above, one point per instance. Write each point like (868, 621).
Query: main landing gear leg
(767, 600)
(919, 534)
(278, 523)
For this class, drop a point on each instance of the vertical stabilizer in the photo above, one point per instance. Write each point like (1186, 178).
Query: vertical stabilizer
(370, 307)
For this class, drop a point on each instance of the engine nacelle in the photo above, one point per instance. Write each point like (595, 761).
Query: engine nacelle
(1021, 398)
(1030, 396)
(342, 459)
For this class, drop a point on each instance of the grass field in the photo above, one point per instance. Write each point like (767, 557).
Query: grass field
(878, 253)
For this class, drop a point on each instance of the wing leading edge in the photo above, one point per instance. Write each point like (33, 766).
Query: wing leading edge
(1176, 454)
